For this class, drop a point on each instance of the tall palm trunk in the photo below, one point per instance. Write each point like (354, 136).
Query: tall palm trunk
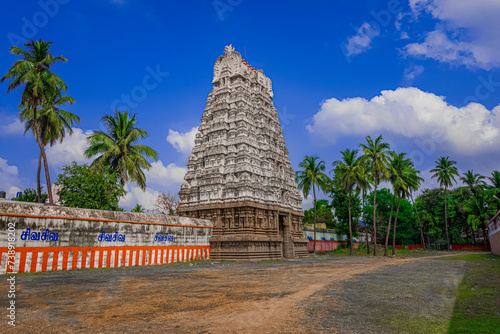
(419, 222)
(389, 225)
(394, 234)
(42, 150)
(486, 240)
(38, 188)
(314, 242)
(446, 215)
(473, 236)
(350, 224)
(366, 226)
(375, 220)
(46, 167)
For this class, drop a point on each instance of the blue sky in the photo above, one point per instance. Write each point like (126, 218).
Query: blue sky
(423, 73)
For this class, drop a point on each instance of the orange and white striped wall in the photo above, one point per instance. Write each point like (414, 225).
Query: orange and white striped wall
(37, 238)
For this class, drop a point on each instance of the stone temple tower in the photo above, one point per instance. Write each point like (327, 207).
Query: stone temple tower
(239, 175)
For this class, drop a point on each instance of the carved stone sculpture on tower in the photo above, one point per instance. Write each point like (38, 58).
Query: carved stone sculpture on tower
(239, 174)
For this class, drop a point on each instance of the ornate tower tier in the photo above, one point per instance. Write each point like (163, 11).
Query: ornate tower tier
(239, 175)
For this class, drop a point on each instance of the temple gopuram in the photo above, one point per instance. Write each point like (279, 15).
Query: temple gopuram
(239, 174)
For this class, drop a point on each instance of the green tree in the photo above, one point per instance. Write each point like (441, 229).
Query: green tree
(431, 206)
(53, 123)
(348, 172)
(377, 157)
(475, 182)
(364, 182)
(138, 208)
(445, 173)
(340, 204)
(30, 195)
(480, 213)
(312, 176)
(395, 178)
(89, 188)
(118, 149)
(410, 181)
(33, 72)
(323, 212)
(384, 200)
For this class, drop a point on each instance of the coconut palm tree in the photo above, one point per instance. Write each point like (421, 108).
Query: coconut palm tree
(53, 123)
(410, 181)
(33, 72)
(363, 182)
(475, 182)
(480, 212)
(117, 148)
(349, 172)
(312, 176)
(138, 208)
(396, 168)
(422, 240)
(376, 155)
(445, 173)
(495, 182)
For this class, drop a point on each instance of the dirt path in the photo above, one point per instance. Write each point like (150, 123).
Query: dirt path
(208, 298)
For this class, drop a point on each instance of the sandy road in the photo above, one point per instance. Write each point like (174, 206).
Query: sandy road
(209, 297)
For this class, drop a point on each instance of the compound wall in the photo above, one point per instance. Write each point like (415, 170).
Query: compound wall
(35, 237)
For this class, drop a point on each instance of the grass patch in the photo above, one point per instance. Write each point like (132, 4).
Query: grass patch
(477, 307)
(362, 252)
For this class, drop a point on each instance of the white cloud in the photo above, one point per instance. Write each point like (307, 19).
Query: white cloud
(183, 142)
(411, 113)
(361, 42)
(6, 169)
(165, 175)
(15, 127)
(307, 203)
(136, 195)
(412, 72)
(12, 191)
(466, 32)
(9, 178)
(169, 177)
(71, 149)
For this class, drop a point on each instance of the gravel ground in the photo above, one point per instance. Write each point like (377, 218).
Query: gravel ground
(321, 294)
(415, 297)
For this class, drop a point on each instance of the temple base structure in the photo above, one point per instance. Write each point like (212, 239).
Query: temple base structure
(247, 231)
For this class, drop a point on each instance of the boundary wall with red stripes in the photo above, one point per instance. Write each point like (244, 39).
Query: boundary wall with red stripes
(35, 238)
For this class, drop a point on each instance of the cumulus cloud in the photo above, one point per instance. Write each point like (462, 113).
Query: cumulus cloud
(15, 127)
(169, 177)
(466, 32)
(9, 180)
(6, 169)
(361, 41)
(411, 113)
(12, 191)
(136, 195)
(71, 149)
(165, 175)
(183, 142)
(307, 203)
